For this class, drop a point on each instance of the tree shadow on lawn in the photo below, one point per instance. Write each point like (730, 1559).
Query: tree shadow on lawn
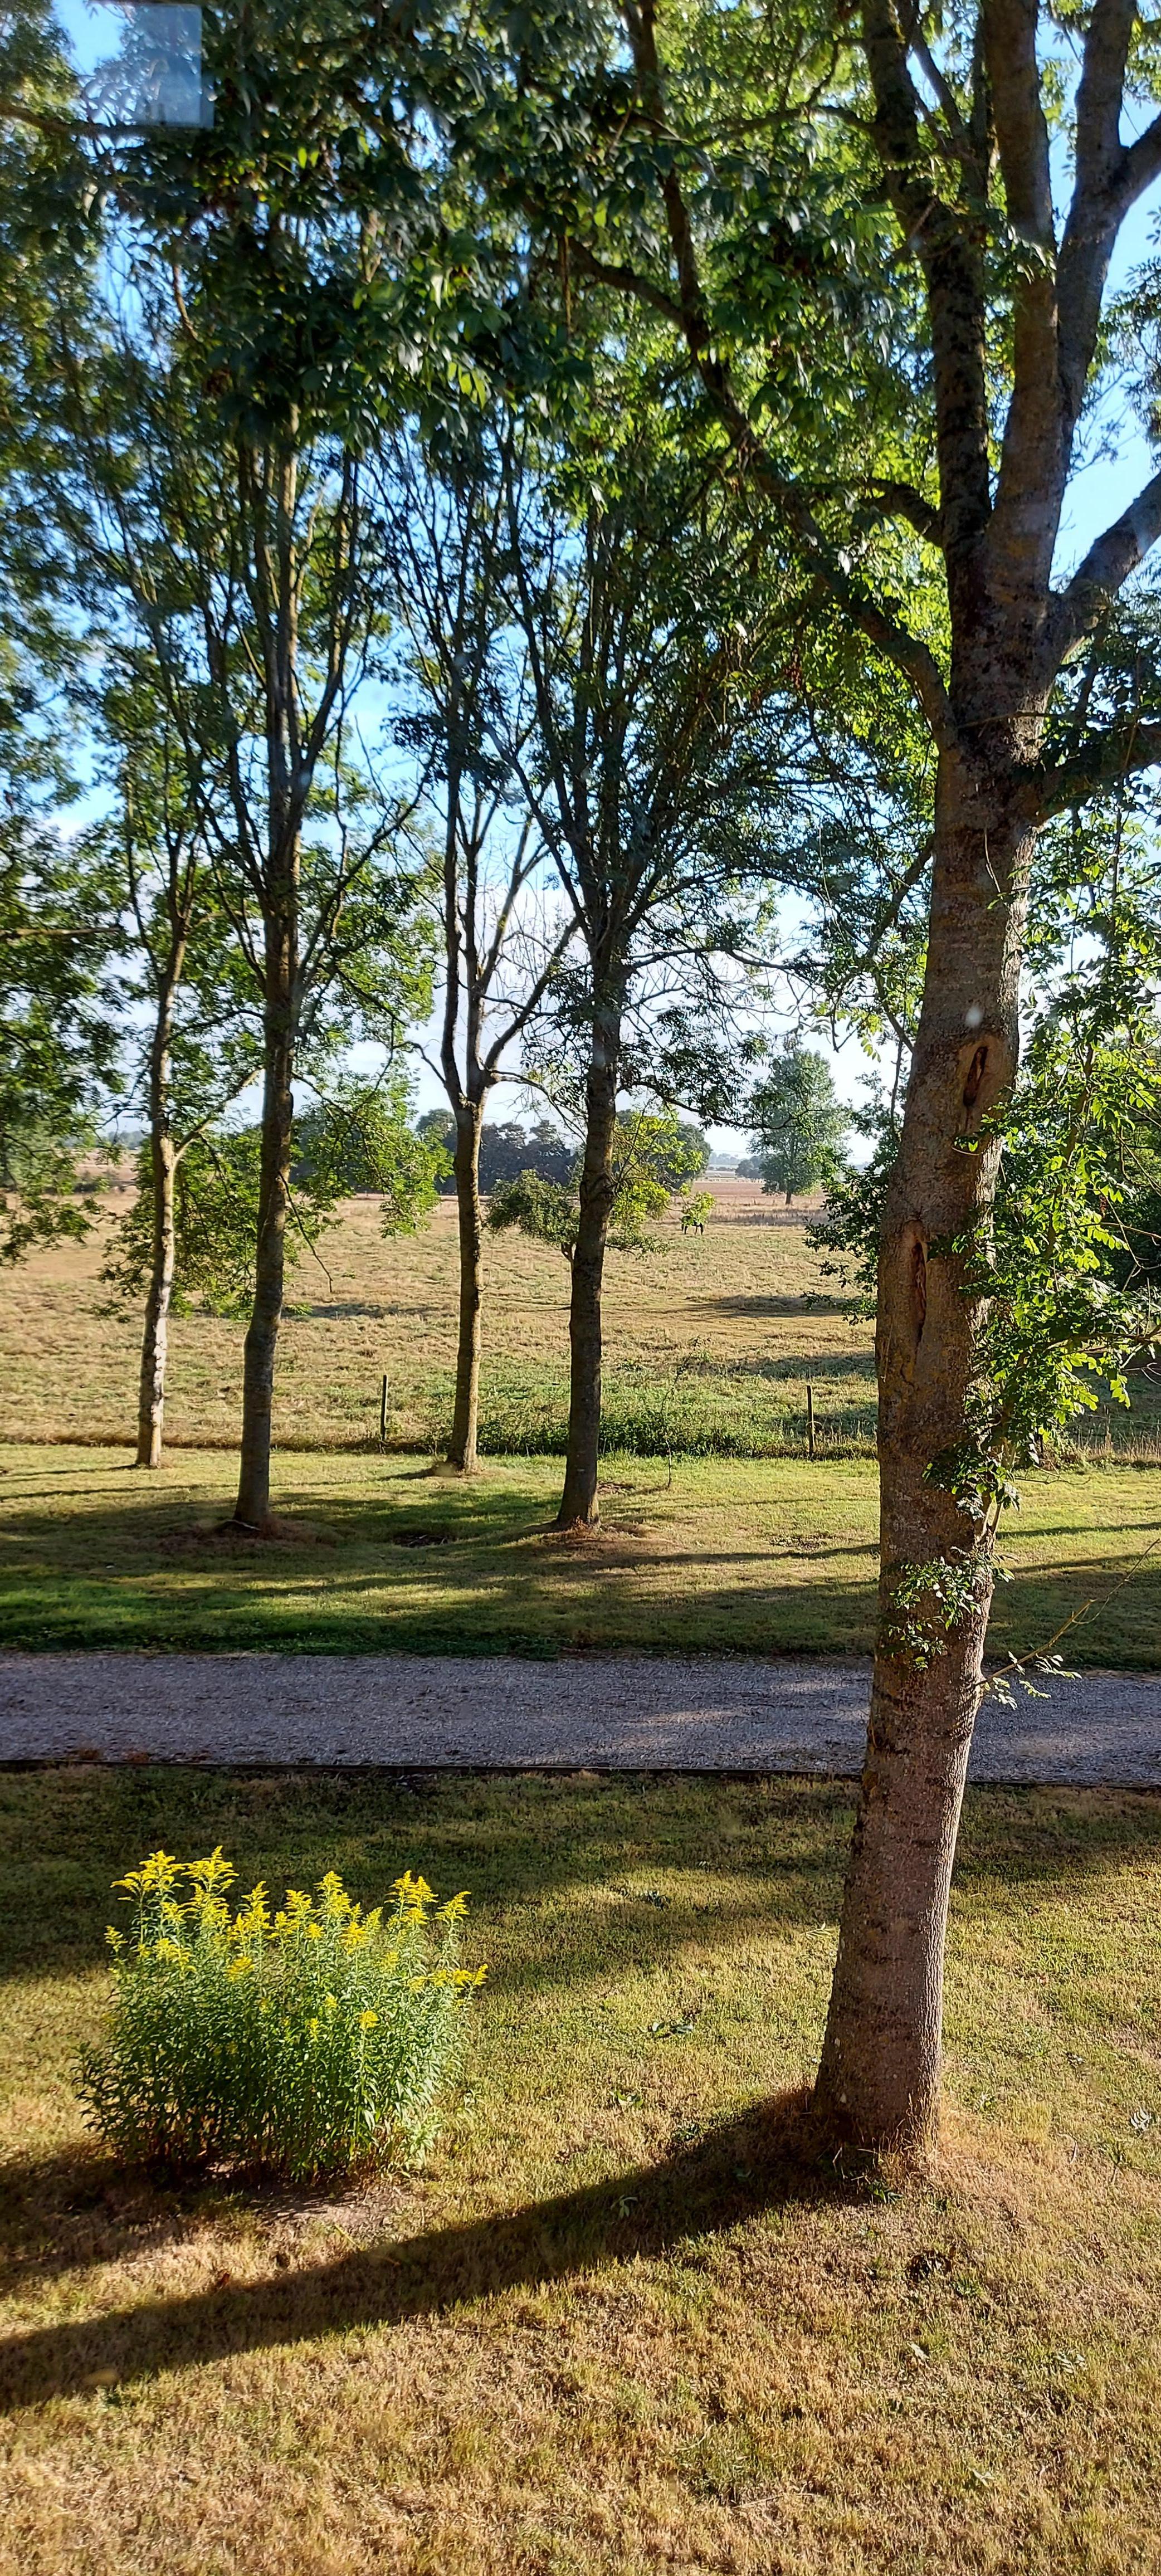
(152, 1524)
(808, 1303)
(790, 1368)
(766, 1857)
(520, 1843)
(475, 1611)
(734, 2171)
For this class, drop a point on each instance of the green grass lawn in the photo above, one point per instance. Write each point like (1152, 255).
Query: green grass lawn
(619, 2323)
(759, 1556)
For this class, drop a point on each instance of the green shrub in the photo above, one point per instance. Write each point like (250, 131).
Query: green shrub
(302, 2043)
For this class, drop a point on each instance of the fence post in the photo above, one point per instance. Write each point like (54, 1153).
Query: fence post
(810, 1419)
(383, 1416)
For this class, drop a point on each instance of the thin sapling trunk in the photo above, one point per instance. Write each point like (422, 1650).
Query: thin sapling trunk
(462, 1447)
(163, 1170)
(252, 1509)
(578, 1504)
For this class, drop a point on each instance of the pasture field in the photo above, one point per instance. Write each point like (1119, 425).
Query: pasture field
(620, 2322)
(709, 1346)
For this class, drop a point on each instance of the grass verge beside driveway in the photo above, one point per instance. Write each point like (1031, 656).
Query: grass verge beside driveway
(760, 1556)
(615, 2325)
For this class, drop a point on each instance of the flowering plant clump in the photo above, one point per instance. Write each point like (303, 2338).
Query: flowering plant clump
(304, 2042)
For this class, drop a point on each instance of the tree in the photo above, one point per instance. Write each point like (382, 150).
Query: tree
(272, 287)
(929, 512)
(648, 618)
(361, 1138)
(59, 932)
(506, 1150)
(59, 1022)
(241, 569)
(850, 228)
(212, 1226)
(800, 1124)
(654, 1157)
(469, 719)
(184, 1019)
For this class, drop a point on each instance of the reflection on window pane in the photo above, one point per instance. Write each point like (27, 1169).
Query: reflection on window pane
(139, 62)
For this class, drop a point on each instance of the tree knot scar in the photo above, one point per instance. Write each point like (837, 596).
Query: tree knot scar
(975, 1075)
(917, 1259)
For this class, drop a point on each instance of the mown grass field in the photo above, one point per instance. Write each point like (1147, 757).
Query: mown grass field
(759, 1556)
(718, 1532)
(618, 2323)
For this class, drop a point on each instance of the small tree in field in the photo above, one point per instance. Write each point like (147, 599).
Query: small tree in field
(649, 624)
(190, 1043)
(800, 1125)
(655, 1156)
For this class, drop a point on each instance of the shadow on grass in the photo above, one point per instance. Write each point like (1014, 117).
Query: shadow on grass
(562, 1869)
(734, 2171)
(808, 1302)
(575, 1879)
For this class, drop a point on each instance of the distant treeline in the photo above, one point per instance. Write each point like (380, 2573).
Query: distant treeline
(507, 1151)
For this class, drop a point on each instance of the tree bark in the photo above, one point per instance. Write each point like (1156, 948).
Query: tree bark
(878, 2082)
(155, 1337)
(578, 1505)
(252, 1509)
(465, 1419)
(277, 588)
(163, 1167)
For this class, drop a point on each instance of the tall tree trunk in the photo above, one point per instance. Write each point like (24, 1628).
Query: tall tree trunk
(578, 1504)
(163, 1166)
(465, 1418)
(155, 1337)
(252, 1509)
(273, 498)
(878, 2083)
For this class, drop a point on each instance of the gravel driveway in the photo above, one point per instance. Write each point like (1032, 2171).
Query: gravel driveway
(617, 1712)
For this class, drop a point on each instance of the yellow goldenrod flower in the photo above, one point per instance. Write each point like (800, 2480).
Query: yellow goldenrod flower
(213, 1873)
(368, 2021)
(333, 1893)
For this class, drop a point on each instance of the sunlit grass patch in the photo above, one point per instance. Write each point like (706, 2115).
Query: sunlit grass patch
(706, 1555)
(617, 2322)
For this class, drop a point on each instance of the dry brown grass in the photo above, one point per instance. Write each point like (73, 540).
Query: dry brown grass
(750, 1291)
(618, 2325)
(709, 1345)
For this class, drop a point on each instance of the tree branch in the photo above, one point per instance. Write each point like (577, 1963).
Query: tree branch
(1105, 569)
(902, 501)
(1101, 195)
(1033, 454)
(1103, 761)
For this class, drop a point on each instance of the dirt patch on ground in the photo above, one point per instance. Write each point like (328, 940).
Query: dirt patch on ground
(229, 1538)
